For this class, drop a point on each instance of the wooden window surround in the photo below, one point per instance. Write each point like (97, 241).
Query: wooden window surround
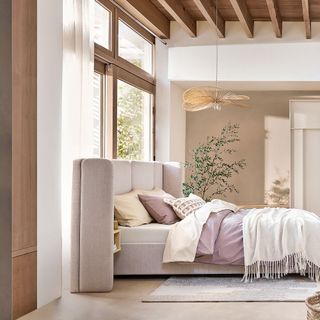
(113, 68)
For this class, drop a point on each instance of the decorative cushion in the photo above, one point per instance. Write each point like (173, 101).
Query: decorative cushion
(158, 209)
(185, 206)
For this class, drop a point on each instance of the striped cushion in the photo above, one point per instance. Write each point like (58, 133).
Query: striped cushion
(185, 206)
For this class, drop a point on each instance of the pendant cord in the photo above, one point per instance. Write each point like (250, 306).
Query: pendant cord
(217, 49)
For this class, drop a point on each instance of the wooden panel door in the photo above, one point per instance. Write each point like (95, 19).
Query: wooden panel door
(24, 157)
(305, 155)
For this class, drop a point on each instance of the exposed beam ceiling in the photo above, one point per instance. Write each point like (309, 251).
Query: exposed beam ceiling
(243, 14)
(157, 14)
(306, 17)
(208, 10)
(275, 17)
(149, 15)
(179, 13)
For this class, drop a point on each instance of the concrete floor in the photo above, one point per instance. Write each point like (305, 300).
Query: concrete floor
(124, 302)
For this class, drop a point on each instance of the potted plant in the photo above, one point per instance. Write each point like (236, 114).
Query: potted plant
(210, 172)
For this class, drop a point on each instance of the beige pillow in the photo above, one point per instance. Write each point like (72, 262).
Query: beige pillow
(185, 206)
(129, 211)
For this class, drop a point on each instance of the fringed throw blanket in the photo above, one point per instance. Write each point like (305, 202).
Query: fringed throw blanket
(281, 241)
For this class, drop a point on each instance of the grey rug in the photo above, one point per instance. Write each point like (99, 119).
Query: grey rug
(232, 289)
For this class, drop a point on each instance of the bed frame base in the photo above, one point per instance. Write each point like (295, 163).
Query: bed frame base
(146, 259)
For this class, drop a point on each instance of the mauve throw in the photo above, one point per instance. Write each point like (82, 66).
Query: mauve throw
(158, 209)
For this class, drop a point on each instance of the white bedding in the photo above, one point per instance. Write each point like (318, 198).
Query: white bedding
(147, 233)
(279, 241)
(183, 238)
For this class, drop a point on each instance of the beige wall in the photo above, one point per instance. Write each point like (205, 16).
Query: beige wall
(265, 140)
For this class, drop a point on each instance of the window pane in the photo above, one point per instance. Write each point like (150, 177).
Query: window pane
(96, 115)
(134, 48)
(101, 25)
(134, 125)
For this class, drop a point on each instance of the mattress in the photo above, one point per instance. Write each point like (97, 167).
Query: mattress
(147, 233)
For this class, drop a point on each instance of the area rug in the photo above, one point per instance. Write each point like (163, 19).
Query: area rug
(232, 289)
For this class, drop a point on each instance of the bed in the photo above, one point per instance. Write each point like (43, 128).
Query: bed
(145, 248)
(93, 264)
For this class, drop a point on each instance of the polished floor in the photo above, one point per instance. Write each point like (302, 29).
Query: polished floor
(124, 302)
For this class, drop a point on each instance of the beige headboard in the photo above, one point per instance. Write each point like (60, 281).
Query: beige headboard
(95, 181)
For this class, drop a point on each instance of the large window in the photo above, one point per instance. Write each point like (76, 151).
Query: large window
(134, 123)
(96, 115)
(134, 48)
(102, 23)
(124, 86)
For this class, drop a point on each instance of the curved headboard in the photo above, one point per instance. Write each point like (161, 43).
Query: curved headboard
(95, 182)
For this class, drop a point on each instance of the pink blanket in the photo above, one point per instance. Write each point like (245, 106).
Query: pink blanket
(221, 240)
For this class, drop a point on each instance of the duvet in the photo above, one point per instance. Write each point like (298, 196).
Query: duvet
(269, 242)
(221, 239)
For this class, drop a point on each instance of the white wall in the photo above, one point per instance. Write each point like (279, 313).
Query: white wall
(242, 62)
(162, 103)
(263, 58)
(170, 117)
(49, 149)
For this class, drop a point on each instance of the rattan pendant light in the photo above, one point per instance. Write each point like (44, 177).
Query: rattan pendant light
(200, 98)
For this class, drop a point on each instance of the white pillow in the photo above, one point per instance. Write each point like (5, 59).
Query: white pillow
(185, 206)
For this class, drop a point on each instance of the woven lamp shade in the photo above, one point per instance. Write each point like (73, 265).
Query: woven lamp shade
(200, 98)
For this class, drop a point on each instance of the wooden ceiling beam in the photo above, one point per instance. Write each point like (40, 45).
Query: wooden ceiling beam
(244, 16)
(306, 17)
(181, 15)
(208, 10)
(149, 15)
(275, 17)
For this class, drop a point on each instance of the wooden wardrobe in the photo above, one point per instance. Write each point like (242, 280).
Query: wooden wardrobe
(24, 157)
(18, 159)
(305, 153)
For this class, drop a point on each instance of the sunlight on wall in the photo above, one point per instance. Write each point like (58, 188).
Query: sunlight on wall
(277, 160)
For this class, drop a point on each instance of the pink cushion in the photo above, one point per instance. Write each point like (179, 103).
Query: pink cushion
(158, 209)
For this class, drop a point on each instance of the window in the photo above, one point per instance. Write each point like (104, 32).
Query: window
(134, 48)
(102, 24)
(121, 118)
(96, 115)
(134, 125)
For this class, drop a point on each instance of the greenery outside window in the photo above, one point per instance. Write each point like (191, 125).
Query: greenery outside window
(134, 125)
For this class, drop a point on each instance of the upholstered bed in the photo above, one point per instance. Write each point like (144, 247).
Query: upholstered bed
(215, 232)
(93, 264)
